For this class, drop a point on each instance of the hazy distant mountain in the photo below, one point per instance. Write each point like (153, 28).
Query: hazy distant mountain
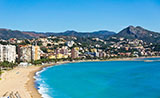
(130, 32)
(99, 34)
(138, 32)
(7, 34)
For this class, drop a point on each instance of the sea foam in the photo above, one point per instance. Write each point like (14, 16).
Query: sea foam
(40, 83)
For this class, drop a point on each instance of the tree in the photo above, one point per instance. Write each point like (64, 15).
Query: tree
(7, 64)
(44, 49)
(37, 62)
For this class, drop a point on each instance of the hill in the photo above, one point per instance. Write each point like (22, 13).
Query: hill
(130, 32)
(7, 34)
(140, 33)
(100, 34)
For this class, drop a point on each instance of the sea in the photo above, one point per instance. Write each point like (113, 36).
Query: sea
(107, 79)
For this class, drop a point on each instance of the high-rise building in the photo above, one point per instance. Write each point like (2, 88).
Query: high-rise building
(35, 52)
(1, 53)
(28, 53)
(8, 53)
(24, 53)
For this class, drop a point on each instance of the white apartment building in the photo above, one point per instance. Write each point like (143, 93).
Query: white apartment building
(1, 53)
(8, 53)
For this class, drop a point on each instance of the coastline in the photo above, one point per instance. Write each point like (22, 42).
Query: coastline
(28, 73)
(30, 85)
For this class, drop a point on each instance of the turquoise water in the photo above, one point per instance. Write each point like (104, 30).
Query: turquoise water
(112, 79)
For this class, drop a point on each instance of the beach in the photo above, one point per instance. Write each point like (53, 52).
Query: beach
(15, 81)
(21, 79)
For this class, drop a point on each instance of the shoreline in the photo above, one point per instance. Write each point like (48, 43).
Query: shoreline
(28, 85)
(15, 80)
(31, 83)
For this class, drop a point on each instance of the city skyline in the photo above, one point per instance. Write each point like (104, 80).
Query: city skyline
(78, 15)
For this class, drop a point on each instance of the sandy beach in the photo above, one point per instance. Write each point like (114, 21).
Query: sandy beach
(20, 79)
(15, 81)
(30, 84)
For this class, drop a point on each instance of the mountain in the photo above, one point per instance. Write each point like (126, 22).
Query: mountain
(130, 32)
(7, 34)
(34, 34)
(140, 33)
(99, 34)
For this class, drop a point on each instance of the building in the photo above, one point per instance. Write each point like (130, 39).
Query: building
(1, 53)
(102, 54)
(36, 52)
(28, 53)
(74, 53)
(8, 53)
(64, 50)
(70, 43)
(24, 53)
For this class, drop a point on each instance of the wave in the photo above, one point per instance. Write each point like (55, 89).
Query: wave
(43, 89)
(40, 84)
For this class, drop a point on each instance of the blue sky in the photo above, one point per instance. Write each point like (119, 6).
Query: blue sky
(79, 15)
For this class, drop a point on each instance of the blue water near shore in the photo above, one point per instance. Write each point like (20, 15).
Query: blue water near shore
(112, 79)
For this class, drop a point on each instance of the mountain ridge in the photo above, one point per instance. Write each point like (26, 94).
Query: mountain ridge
(140, 33)
(100, 34)
(130, 32)
(8, 33)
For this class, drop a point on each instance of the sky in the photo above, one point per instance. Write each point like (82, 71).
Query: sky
(79, 15)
